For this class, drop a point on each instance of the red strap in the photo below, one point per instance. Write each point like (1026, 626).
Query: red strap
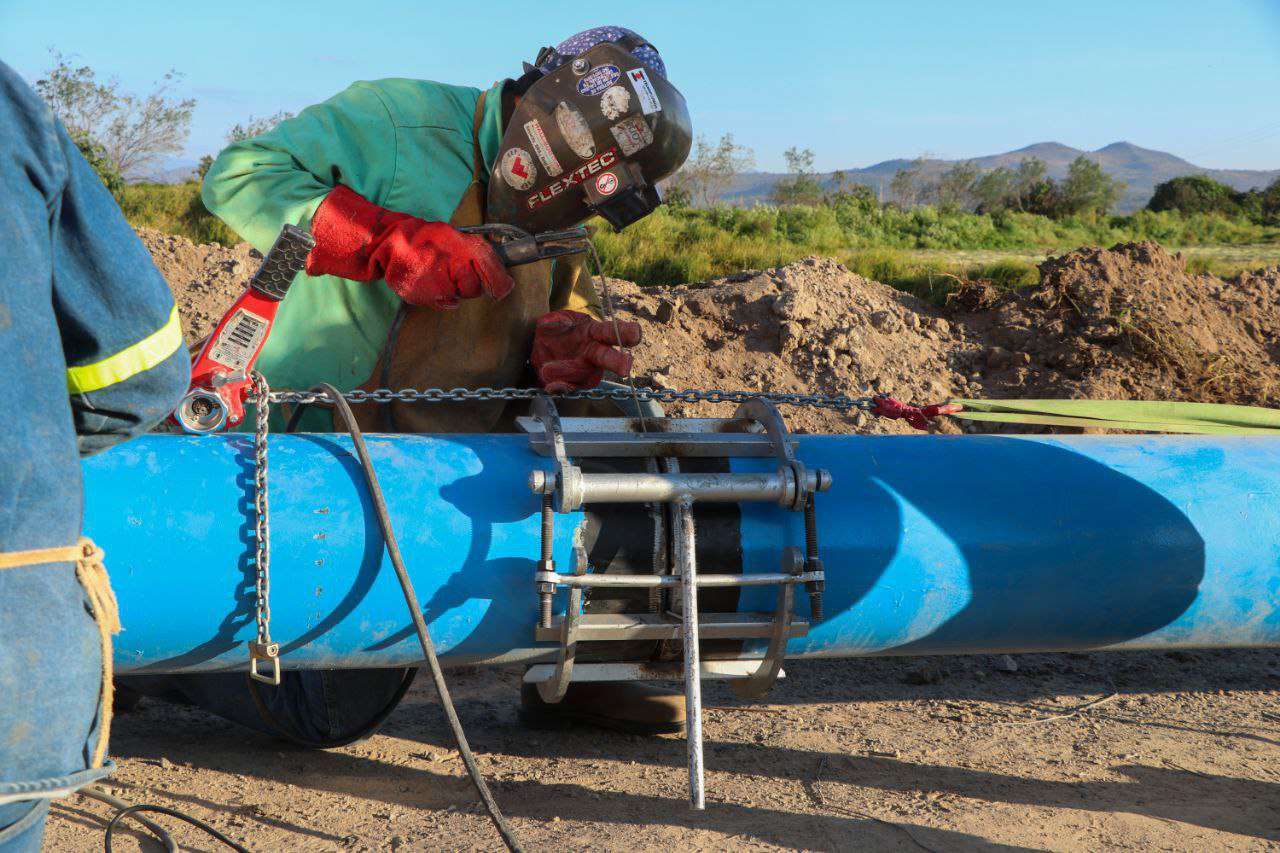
(917, 416)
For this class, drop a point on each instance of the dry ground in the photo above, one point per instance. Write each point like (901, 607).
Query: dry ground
(906, 754)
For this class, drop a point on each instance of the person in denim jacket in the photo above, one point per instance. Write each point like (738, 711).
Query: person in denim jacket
(91, 354)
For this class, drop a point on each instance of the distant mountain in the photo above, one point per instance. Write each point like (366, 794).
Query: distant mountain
(1140, 168)
(171, 170)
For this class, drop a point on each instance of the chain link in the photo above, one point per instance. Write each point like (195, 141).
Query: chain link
(834, 402)
(263, 648)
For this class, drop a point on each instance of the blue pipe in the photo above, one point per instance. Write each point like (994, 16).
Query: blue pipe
(931, 544)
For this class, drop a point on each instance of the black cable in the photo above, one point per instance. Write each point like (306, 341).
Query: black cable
(95, 793)
(194, 821)
(415, 611)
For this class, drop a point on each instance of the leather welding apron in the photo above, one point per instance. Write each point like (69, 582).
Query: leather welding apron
(481, 343)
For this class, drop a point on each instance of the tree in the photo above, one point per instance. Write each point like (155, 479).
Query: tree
(710, 172)
(846, 191)
(252, 127)
(1265, 204)
(1029, 176)
(1195, 194)
(131, 131)
(100, 163)
(993, 191)
(955, 186)
(801, 185)
(904, 184)
(1044, 197)
(1088, 189)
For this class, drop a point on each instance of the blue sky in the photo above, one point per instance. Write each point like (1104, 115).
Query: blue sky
(857, 82)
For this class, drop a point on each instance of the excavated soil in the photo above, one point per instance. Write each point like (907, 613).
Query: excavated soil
(1130, 323)
(205, 278)
(1170, 751)
(1127, 322)
(809, 327)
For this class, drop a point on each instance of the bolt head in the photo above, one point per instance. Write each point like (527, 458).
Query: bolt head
(581, 66)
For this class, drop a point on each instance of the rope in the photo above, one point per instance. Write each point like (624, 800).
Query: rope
(918, 416)
(92, 575)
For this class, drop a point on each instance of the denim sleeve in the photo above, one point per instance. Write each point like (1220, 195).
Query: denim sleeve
(126, 363)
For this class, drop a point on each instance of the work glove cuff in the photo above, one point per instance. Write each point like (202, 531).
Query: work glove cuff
(345, 227)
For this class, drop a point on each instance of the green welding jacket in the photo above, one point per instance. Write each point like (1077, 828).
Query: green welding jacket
(406, 145)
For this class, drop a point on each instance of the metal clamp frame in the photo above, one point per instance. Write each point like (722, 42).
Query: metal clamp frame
(567, 488)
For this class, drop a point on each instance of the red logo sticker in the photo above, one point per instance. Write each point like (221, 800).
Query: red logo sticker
(607, 183)
(517, 167)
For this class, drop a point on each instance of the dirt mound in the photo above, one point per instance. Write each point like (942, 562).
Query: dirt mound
(1129, 322)
(205, 277)
(810, 326)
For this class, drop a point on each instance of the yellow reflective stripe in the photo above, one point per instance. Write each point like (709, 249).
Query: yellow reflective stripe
(131, 361)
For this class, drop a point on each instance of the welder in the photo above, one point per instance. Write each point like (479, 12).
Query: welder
(91, 354)
(384, 174)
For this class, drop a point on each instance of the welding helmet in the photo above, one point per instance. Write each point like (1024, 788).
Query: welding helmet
(592, 133)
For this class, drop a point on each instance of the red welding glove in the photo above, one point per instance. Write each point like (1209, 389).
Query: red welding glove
(425, 263)
(571, 351)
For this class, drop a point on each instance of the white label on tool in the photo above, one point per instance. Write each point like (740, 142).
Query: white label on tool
(649, 101)
(541, 147)
(239, 340)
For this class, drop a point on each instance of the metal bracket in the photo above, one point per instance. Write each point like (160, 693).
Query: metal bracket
(757, 430)
(553, 689)
(762, 680)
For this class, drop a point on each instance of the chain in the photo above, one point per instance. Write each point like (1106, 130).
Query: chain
(263, 648)
(833, 402)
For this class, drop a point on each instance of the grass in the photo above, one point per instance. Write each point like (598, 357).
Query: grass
(174, 209)
(923, 250)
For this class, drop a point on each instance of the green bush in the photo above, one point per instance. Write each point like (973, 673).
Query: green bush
(1194, 194)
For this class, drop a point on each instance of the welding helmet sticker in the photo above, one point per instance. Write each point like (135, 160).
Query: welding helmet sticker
(575, 130)
(649, 100)
(607, 184)
(542, 147)
(598, 79)
(632, 134)
(615, 102)
(518, 169)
